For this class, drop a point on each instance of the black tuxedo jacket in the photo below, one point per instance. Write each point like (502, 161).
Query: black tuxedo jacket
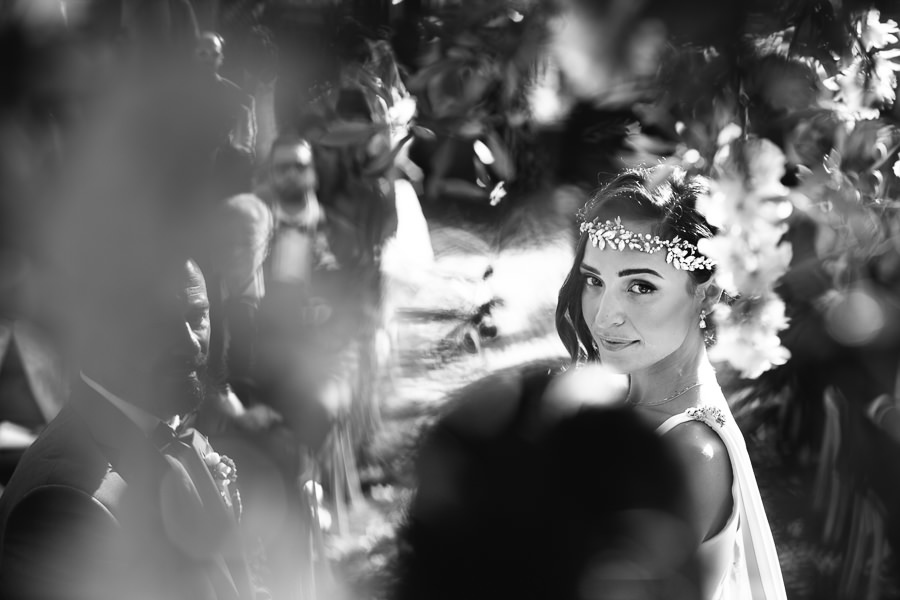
(95, 510)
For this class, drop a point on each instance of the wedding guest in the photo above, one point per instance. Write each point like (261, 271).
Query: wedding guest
(537, 487)
(638, 299)
(113, 500)
(265, 255)
(224, 119)
(289, 188)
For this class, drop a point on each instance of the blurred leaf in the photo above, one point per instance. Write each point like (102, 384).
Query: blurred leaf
(503, 163)
(819, 34)
(869, 145)
(475, 86)
(471, 129)
(343, 134)
(419, 82)
(423, 132)
(385, 160)
(781, 83)
(481, 172)
(463, 190)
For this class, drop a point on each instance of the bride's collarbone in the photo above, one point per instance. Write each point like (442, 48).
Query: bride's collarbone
(659, 414)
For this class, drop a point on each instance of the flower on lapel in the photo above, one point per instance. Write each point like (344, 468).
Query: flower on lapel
(221, 468)
(707, 414)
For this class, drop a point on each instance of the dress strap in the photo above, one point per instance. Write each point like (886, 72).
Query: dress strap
(759, 548)
(713, 416)
(673, 422)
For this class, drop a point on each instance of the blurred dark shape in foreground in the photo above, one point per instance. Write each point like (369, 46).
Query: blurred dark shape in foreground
(535, 487)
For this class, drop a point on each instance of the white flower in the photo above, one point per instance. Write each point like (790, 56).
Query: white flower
(498, 193)
(852, 100)
(765, 167)
(876, 34)
(751, 260)
(728, 134)
(402, 111)
(749, 205)
(714, 206)
(749, 349)
(884, 78)
(221, 468)
(773, 314)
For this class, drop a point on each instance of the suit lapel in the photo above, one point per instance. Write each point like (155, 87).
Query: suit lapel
(144, 468)
(234, 563)
(192, 457)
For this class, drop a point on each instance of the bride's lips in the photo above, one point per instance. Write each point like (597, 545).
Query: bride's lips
(615, 344)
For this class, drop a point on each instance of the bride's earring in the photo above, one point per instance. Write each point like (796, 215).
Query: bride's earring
(595, 346)
(702, 319)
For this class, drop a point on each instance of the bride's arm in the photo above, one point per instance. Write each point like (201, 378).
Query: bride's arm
(708, 474)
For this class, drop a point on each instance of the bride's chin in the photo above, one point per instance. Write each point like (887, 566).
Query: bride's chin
(613, 367)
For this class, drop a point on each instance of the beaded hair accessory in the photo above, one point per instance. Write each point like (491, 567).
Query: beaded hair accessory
(680, 253)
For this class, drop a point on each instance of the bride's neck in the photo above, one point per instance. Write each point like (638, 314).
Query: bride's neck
(670, 376)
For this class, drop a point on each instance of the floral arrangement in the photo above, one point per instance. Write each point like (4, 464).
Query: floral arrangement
(816, 156)
(748, 204)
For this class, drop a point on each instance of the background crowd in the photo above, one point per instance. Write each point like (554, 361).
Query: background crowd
(372, 190)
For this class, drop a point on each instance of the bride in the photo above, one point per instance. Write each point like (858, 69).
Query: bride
(638, 299)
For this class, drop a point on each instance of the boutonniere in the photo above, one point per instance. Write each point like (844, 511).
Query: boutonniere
(221, 467)
(223, 472)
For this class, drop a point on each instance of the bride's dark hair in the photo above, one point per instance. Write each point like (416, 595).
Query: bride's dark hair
(665, 196)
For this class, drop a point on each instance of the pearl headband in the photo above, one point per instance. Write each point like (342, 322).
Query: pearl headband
(680, 253)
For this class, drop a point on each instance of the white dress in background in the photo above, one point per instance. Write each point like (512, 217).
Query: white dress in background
(740, 562)
(409, 250)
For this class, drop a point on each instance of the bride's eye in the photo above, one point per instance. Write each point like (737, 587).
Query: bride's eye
(591, 280)
(641, 288)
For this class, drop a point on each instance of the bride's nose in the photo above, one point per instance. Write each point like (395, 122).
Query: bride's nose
(608, 312)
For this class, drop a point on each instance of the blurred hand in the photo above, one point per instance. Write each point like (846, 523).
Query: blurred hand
(884, 412)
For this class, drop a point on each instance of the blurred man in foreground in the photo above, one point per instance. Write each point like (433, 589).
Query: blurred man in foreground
(112, 501)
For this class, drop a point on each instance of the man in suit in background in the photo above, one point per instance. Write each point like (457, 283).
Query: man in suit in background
(110, 501)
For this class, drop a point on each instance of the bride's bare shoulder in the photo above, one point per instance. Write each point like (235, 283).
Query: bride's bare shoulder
(708, 473)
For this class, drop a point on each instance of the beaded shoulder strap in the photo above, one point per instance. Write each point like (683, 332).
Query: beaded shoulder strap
(710, 415)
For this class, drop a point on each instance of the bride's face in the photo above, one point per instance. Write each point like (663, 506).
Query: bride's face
(639, 309)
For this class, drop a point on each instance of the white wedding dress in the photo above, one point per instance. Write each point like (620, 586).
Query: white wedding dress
(739, 562)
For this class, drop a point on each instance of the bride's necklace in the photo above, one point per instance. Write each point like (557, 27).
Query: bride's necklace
(666, 399)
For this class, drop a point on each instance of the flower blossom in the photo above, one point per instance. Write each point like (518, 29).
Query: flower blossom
(749, 349)
(748, 203)
(877, 34)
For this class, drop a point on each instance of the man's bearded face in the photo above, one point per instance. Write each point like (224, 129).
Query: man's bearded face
(293, 173)
(153, 347)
